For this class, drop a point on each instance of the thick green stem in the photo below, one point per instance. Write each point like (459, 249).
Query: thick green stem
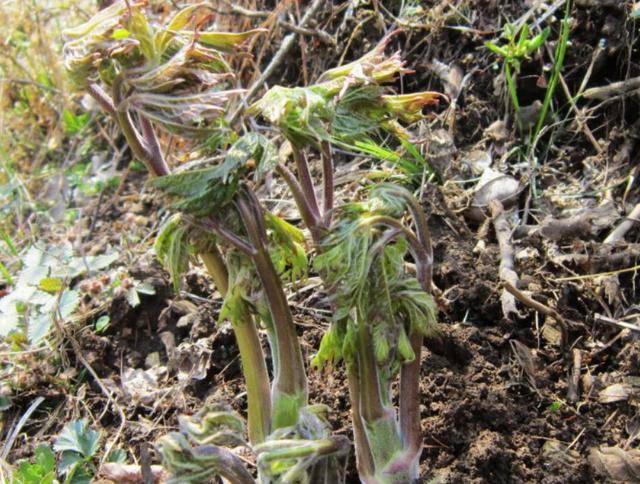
(379, 421)
(254, 366)
(513, 92)
(289, 391)
(217, 269)
(364, 461)
(371, 404)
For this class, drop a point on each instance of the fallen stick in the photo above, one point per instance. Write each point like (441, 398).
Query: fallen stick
(615, 322)
(621, 88)
(506, 270)
(532, 303)
(573, 390)
(621, 230)
(539, 307)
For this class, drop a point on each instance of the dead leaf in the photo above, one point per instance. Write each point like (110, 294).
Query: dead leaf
(551, 332)
(192, 360)
(143, 386)
(451, 76)
(476, 160)
(558, 453)
(497, 131)
(617, 392)
(526, 359)
(617, 464)
(493, 185)
(130, 473)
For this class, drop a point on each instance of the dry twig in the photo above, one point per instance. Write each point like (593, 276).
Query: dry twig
(507, 271)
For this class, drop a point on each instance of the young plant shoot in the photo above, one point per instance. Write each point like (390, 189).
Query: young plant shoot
(148, 76)
(381, 310)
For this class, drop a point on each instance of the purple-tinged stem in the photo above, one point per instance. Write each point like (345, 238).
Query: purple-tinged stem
(213, 225)
(310, 219)
(410, 427)
(327, 176)
(151, 139)
(134, 138)
(304, 176)
(289, 390)
(102, 98)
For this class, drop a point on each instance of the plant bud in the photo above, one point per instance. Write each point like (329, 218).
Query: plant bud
(95, 287)
(85, 286)
(404, 347)
(127, 283)
(381, 348)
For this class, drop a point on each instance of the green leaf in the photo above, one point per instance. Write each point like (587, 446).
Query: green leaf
(117, 455)
(330, 350)
(555, 406)
(41, 322)
(69, 460)
(404, 346)
(538, 40)
(141, 31)
(6, 274)
(7, 240)
(146, 289)
(120, 34)
(132, 297)
(501, 51)
(200, 192)
(179, 21)
(78, 437)
(285, 248)
(72, 123)
(102, 323)
(251, 146)
(68, 303)
(52, 285)
(45, 457)
(75, 467)
(5, 403)
(226, 40)
(172, 248)
(42, 471)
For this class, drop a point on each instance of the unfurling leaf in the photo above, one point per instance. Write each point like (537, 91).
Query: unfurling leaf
(172, 249)
(286, 250)
(330, 350)
(42, 471)
(226, 40)
(205, 191)
(251, 149)
(196, 454)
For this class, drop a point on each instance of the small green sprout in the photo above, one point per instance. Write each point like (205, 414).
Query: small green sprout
(519, 47)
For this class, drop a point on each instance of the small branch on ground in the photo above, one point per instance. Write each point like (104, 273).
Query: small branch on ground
(621, 230)
(507, 271)
(622, 88)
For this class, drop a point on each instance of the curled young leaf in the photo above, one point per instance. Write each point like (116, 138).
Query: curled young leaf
(172, 248)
